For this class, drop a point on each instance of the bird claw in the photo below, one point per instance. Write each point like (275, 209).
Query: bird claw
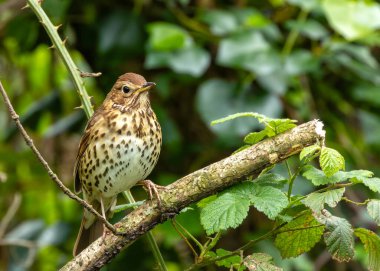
(152, 188)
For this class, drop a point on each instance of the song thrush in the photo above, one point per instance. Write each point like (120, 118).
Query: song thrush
(120, 147)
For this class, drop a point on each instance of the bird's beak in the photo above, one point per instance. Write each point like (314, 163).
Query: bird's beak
(146, 86)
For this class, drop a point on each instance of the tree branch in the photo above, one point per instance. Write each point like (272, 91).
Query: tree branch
(195, 187)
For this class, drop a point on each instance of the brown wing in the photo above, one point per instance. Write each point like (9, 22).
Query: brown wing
(94, 121)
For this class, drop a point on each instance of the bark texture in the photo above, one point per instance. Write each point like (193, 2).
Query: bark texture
(195, 187)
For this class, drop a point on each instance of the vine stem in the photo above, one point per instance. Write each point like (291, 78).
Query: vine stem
(291, 40)
(150, 237)
(59, 44)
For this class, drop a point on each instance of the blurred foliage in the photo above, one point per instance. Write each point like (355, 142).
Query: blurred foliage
(295, 58)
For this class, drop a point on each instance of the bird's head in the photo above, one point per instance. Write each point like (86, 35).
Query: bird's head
(129, 89)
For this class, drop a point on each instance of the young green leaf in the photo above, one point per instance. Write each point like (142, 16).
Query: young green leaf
(260, 262)
(316, 201)
(202, 203)
(309, 152)
(258, 116)
(338, 237)
(299, 235)
(263, 200)
(228, 210)
(358, 174)
(371, 243)
(253, 138)
(318, 177)
(331, 161)
(233, 260)
(373, 208)
(278, 126)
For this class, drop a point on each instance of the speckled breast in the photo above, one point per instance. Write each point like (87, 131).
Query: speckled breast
(127, 151)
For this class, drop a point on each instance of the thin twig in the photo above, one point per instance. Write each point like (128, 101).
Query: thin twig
(10, 214)
(52, 175)
(89, 74)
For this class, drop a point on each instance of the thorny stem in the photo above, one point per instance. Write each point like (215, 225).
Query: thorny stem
(59, 44)
(149, 235)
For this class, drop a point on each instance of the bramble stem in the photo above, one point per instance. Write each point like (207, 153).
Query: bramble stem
(59, 44)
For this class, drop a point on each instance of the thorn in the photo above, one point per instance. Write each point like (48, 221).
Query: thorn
(64, 41)
(52, 46)
(25, 7)
(79, 107)
(40, 2)
(57, 27)
(89, 74)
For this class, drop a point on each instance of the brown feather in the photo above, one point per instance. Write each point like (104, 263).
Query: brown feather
(134, 78)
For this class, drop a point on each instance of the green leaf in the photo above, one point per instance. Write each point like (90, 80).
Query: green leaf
(221, 22)
(331, 161)
(338, 237)
(253, 138)
(228, 210)
(371, 243)
(372, 183)
(310, 28)
(318, 177)
(260, 262)
(202, 203)
(271, 179)
(257, 116)
(352, 19)
(278, 126)
(229, 261)
(309, 151)
(316, 201)
(299, 235)
(262, 199)
(167, 37)
(193, 61)
(240, 49)
(373, 208)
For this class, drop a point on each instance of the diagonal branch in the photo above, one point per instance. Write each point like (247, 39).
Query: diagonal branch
(196, 186)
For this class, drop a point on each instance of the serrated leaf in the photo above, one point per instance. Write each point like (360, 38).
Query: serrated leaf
(271, 179)
(202, 203)
(229, 261)
(316, 201)
(331, 161)
(299, 235)
(371, 243)
(318, 177)
(257, 116)
(339, 237)
(262, 199)
(278, 126)
(228, 210)
(372, 183)
(309, 151)
(358, 174)
(253, 138)
(260, 262)
(373, 208)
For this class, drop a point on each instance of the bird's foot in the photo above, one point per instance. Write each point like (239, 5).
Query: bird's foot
(152, 189)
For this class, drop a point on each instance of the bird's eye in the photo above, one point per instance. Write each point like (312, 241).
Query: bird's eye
(126, 89)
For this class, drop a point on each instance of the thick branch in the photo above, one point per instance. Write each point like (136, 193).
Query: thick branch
(195, 187)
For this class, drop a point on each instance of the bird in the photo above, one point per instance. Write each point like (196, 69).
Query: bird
(120, 147)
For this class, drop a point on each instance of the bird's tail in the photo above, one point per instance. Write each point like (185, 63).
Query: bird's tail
(90, 229)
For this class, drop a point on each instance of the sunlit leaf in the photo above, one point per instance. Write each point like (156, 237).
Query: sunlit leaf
(262, 199)
(331, 161)
(309, 151)
(166, 37)
(233, 260)
(253, 138)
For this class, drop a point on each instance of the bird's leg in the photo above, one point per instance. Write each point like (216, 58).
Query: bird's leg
(104, 216)
(152, 188)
